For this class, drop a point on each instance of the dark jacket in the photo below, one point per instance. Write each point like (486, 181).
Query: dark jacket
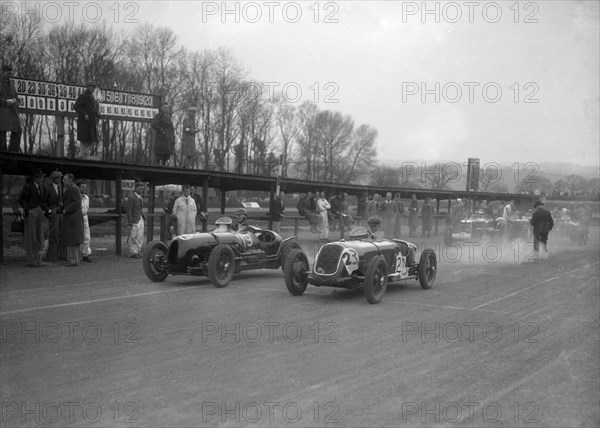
(72, 224)
(87, 130)
(541, 220)
(9, 115)
(134, 209)
(276, 209)
(164, 142)
(303, 205)
(31, 198)
(52, 199)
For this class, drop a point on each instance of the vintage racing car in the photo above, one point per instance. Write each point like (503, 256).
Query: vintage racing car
(217, 254)
(360, 262)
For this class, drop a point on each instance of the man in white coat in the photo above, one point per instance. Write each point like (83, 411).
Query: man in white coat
(185, 210)
(86, 251)
(322, 207)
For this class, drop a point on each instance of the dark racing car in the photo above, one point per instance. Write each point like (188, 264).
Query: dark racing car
(360, 262)
(217, 254)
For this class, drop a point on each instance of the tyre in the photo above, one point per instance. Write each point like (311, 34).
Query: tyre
(287, 247)
(154, 261)
(221, 265)
(376, 280)
(295, 270)
(427, 268)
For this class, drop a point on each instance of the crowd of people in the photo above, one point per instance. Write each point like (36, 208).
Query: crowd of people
(64, 203)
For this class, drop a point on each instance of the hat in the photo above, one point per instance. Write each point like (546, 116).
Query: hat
(138, 184)
(224, 220)
(537, 204)
(55, 174)
(7, 68)
(192, 109)
(91, 83)
(36, 172)
(459, 200)
(241, 211)
(374, 220)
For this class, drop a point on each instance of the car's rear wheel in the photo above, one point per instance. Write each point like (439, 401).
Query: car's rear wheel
(154, 261)
(427, 268)
(221, 265)
(285, 250)
(376, 279)
(295, 270)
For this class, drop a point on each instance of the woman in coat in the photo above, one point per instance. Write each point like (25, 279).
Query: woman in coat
(87, 119)
(164, 142)
(426, 217)
(72, 223)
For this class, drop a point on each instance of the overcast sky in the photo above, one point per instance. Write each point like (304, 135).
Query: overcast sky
(372, 60)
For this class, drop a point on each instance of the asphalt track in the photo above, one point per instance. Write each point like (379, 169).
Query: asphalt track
(498, 343)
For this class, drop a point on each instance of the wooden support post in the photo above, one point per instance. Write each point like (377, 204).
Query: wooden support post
(59, 150)
(205, 198)
(118, 197)
(150, 225)
(296, 221)
(271, 198)
(223, 200)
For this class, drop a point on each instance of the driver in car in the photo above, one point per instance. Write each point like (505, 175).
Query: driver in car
(223, 225)
(374, 223)
(241, 217)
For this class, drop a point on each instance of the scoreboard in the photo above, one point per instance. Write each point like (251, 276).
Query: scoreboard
(50, 98)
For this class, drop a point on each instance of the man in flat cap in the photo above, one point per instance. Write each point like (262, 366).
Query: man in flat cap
(542, 223)
(188, 139)
(53, 198)
(374, 224)
(34, 207)
(241, 217)
(88, 114)
(9, 112)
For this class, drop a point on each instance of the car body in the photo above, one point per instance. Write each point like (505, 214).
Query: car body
(363, 262)
(217, 254)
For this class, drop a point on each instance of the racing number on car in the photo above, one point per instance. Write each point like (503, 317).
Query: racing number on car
(350, 260)
(401, 264)
(247, 240)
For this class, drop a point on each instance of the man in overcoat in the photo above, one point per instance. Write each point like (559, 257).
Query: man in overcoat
(135, 219)
(542, 223)
(54, 201)
(88, 114)
(185, 210)
(9, 112)
(188, 138)
(164, 140)
(72, 225)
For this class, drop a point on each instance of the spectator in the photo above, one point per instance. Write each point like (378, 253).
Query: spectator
(9, 112)
(323, 206)
(202, 214)
(413, 216)
(72, 227)
(542, 225)
(372, 208)
(88, 114)
(426, 217)
(164, 142)
(185, 210)
(362, 207)
(188, 138)
(304, 210)
(399, 215)
(387, 212)
(135, 219)
(34, 208)
(507, 210)
(277, 211)
(169, 203)
(86, 251)
(54, 201)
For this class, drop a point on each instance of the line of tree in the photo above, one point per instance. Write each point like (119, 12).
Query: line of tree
(240, 127)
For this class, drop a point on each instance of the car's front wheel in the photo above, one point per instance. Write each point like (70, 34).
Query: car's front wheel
(427, 268)
(295, 270)
(154, 261)
(221, 265)
(376, 279)
(285, 250)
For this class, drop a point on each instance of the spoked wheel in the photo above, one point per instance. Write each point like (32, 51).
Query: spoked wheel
(427, 268)
(376, 279)
(295, 270)
(154, 261)
(221, 265)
